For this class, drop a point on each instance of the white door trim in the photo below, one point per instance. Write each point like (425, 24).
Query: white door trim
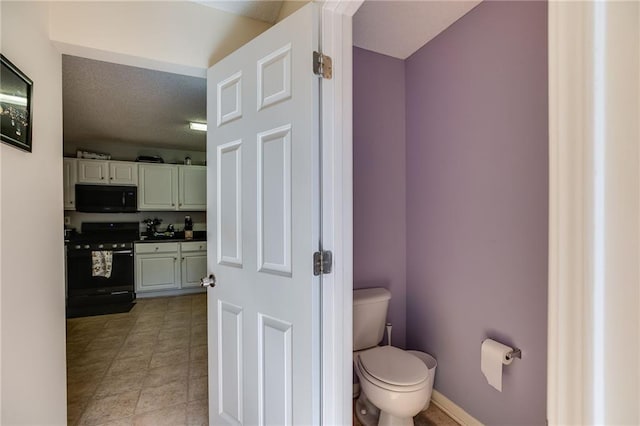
(594, 298)
(337, 212)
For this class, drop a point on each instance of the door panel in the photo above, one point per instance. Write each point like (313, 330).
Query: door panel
(230, 362)
(274, 200)
(263, 195)
(229, 203)
(274, 372)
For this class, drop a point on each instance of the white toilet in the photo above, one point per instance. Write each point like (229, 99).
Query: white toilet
(394, 383)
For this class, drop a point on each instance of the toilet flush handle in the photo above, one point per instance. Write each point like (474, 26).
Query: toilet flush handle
(389, 333)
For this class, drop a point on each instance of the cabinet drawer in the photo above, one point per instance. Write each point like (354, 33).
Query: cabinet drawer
(157, 248)
(194, 246)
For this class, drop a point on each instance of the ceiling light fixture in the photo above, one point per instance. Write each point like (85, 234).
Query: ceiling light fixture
(202, 127)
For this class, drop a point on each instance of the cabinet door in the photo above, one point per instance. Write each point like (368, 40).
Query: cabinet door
(93, 171)
(70, 173)
(193, 188)
(123, 173)
(194, 267)
(157, 272)
(158, 187)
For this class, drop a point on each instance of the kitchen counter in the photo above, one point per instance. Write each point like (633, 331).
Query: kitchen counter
(177, 238)
(169, 240)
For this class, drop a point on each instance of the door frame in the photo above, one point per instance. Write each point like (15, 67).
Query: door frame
(594, 231)
(337, 212)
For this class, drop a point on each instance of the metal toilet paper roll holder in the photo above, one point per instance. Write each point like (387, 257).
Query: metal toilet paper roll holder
(516, 353)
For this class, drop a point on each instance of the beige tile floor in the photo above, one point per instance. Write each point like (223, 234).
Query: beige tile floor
(144, 367)
(149, 367)
(434, 416)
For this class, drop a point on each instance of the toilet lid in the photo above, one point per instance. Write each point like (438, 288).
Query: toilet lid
(394, 366)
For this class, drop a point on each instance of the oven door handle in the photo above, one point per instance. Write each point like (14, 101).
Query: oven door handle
(123, 252)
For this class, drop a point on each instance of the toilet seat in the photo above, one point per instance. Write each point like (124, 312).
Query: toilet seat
(392, 368)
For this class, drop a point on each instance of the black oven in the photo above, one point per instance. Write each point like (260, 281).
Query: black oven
(81, 282)
(93, 288)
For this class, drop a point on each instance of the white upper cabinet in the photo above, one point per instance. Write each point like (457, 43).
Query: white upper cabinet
(93, 171)
(192, 188)
(123, 173)
(158, 187)
(171, 187)
(70, 173)
(107, 172)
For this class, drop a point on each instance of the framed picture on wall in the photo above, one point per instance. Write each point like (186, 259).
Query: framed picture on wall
(15, 105)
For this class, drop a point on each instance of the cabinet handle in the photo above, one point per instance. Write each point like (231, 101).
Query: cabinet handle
(183, 259)
(102, 178)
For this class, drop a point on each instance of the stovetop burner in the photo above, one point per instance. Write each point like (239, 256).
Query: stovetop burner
(106, 236)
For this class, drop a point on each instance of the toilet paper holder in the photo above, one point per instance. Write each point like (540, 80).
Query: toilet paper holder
(516, 353)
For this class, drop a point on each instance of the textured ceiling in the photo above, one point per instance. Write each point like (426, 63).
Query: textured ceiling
(262, 10)
(118, 103)
(398, 28)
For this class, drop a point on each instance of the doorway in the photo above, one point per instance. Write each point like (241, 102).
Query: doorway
(450, 193)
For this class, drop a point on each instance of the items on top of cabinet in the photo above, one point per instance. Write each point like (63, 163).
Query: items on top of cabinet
(149, 159)
(92, 155)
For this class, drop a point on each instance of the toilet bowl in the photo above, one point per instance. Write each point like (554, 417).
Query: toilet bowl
(392, 381)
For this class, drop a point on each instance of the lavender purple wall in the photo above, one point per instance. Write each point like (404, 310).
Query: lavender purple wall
(477, 191)
(379, 205)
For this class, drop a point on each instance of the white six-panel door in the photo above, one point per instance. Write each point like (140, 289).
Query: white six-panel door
(263, 211)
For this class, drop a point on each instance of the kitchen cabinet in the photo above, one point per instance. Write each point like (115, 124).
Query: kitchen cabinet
(172, 187)
(193, 264)
(93, 171)
(192, 188)
(107, 172)
(158, 187)
(157, 267)
(123, 173)
(70, 173)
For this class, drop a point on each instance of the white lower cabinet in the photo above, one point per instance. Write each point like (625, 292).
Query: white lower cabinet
(194, 263)
(170, 266)
(157, 267)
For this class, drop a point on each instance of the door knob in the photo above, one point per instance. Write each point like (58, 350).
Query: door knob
(209, 281)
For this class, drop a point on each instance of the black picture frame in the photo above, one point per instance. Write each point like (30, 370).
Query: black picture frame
(15, 106)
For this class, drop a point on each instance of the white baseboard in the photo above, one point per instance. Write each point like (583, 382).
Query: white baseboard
(453, 410)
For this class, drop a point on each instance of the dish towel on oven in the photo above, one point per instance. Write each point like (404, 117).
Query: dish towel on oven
(101, 262)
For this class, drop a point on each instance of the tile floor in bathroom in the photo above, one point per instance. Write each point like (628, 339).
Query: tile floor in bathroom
(144, 367)
(434, 416)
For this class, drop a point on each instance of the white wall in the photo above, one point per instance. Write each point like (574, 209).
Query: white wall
(290, 6)
(181, 37)
(32, 372)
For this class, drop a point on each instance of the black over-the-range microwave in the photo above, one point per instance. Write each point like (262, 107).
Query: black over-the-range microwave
(106, 199)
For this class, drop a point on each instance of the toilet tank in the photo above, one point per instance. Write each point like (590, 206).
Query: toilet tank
(369, 316)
